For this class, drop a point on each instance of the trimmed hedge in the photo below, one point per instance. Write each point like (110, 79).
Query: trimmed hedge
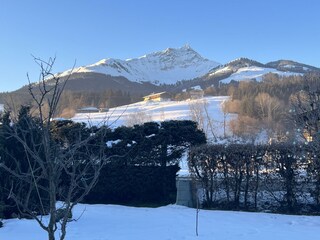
(135, 185)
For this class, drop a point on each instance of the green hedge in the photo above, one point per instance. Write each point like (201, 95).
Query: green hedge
(135, 185)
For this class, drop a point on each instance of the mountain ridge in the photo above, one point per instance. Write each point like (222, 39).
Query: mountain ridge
(171, 70)
(175, 65)
(163, 67)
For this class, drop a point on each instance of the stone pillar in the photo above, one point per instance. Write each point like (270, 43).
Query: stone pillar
(184, 191)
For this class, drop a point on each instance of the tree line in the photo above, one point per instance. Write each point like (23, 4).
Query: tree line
(268, 104)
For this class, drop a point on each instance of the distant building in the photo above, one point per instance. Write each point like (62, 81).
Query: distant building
(162, 96)
(103, 109)
(196, 94)
(88, 110)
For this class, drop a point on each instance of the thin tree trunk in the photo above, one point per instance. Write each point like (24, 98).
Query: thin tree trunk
(247, 185)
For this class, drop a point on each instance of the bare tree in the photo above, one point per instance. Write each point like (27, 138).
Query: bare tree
(305, 108)
(268, 107)
(245, 127)
(47, 161)
(137, 118)
(226, 112)
(200, 114)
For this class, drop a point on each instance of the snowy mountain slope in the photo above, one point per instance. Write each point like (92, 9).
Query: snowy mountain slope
(112, 222)
(176, 64)
(243, 69)
(161, 71)
(158, 111)
(291, 66)
(164, 67)
(253, 72)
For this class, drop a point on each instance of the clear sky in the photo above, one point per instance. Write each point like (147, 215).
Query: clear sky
(87, 31)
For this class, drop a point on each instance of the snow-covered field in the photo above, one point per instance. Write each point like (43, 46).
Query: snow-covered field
(158, 111)
(112, 222)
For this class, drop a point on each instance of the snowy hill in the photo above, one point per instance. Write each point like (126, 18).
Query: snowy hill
(163, 67)
(253, 72)
(243, 69)
(158, 111)
(112, 222)
(291, 66)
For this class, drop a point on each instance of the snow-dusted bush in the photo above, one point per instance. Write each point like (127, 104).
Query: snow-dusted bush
(280, 177)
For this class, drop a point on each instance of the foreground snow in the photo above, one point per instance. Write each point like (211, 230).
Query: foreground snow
(112, 222)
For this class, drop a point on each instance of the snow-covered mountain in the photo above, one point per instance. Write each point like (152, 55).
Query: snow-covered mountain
(176, 64)
(243, 69)
(165, 67)
(165, 71)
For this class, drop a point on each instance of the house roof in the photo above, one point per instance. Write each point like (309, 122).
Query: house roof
(88, 109)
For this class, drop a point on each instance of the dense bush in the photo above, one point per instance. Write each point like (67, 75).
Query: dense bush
(135, 185)
(141, 171)
(2, 207)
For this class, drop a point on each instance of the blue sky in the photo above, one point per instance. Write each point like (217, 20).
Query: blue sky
(88, 31)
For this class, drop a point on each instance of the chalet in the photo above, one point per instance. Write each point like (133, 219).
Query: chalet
(103, 109)
(162, 96)
(310, 119)
(196, 94)
(88, 110)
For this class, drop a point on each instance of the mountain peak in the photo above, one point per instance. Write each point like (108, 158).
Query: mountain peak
(185, 50)
(163, 67)
(185, 47)
(244, 62)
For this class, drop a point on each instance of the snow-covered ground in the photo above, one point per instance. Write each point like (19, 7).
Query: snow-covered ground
(158, 111)
(112, 222)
